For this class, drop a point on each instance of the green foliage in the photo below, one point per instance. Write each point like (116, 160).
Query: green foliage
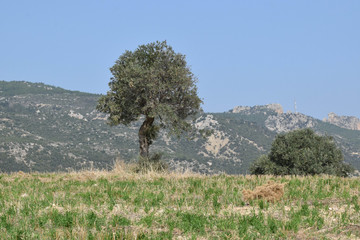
(262, 166)
(152, 81)
(155, 82)
(302, 152)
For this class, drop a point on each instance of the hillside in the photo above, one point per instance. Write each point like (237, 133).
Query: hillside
(46, 128)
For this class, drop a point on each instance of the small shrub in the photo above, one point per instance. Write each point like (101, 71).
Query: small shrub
(154, 163)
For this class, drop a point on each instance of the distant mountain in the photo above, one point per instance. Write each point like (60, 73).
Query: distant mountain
(46, 128)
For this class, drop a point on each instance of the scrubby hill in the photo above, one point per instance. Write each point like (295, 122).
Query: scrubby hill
(46, 128)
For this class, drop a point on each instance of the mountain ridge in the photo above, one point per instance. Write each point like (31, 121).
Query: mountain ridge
(46, 128)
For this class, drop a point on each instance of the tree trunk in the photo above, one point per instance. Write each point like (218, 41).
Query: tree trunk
(144, 139)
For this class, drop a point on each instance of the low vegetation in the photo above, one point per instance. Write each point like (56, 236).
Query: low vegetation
(121, 204)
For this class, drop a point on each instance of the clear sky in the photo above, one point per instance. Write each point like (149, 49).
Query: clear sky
(242, 52)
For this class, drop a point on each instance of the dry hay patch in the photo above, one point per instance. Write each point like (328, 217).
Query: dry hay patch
(270, 192)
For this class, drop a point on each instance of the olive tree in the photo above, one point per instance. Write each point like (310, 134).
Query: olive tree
(155, 84)
(302, 152)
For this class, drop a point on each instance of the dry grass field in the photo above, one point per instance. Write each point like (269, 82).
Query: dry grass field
(121, 204)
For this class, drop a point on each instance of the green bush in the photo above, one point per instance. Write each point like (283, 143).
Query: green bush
(302, 152)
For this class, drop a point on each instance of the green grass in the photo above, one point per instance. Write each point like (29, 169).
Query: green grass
(125, 205)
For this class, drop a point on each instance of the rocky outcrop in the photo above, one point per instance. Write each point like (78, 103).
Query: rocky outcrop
(238, 109)
(277, 108)
(217, 144)
(288, 122)
(207, 121)
(348, 122)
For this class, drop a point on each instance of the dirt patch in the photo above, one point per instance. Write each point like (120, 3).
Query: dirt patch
(270, 192)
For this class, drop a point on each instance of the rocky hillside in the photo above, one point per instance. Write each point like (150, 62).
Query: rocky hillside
(45, 128)
(348, 122)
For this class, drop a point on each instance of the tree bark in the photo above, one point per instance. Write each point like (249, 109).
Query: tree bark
(144, 139)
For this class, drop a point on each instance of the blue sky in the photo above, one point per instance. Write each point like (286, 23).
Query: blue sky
(242, 52)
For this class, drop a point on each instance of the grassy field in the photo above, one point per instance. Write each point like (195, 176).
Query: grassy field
(124, 205)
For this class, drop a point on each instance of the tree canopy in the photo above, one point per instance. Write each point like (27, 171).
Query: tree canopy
(155, 83)
(302, 152)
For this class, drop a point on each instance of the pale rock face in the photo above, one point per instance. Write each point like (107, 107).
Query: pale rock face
(218, 144)
(207, 122)
(100, 116)
(77, 115)
(288, 122)
(240, 109)
(273, 106)
(276, 107)
(348, 122)
(215, 142)
(20, 153)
